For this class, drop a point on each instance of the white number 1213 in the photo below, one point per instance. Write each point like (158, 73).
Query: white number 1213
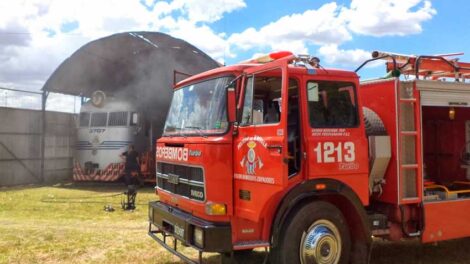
(328, 152)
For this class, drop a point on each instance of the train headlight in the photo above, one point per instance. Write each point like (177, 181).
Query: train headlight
(198, 237)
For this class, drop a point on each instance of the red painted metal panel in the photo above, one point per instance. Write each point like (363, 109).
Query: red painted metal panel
(380, 96)
(354, 171)
(419, 140)
(446, 220)
(259, 154)
(215, 156)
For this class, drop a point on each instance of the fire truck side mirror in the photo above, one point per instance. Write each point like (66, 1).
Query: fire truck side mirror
(231, 105)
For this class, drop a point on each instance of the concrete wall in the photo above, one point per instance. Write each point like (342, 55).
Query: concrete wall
(20, 146)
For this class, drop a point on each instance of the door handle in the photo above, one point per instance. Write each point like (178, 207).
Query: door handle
(277, 147)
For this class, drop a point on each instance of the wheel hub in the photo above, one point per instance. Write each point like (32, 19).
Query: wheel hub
(320, 244)
(325, 250)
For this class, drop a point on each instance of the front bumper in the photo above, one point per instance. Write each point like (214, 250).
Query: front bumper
(173, 222)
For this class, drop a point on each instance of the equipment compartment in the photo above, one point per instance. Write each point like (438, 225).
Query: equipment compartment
(446, 152)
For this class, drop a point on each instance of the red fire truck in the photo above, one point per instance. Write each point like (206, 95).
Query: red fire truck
(308, 162)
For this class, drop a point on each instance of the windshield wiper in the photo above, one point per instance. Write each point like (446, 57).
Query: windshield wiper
(173, 128)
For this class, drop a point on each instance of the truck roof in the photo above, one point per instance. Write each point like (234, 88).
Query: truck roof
(238, 68)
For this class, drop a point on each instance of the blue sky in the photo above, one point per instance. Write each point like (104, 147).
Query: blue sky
(37, 35)
(447, 31)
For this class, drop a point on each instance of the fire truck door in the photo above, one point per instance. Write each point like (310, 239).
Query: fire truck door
(260, 160)
(337, 146)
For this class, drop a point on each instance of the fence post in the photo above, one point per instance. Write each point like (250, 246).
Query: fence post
(43, 133)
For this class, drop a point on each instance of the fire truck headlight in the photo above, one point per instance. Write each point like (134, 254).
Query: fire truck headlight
(198, 236)
(216, 208)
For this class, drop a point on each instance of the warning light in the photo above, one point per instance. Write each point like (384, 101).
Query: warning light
(271, 57)
(451, 113)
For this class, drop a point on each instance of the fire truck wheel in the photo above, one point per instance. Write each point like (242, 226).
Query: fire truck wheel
(316, 233)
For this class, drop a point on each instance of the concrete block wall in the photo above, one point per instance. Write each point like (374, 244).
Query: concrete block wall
(20, 146)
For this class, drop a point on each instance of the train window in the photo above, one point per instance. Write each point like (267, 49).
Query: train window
(134, 119)
(98, 119)
(118, 119)
(84, 119)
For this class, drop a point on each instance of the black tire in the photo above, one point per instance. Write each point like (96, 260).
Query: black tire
(316, 216)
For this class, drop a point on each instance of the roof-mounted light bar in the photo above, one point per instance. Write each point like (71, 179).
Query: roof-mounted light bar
(270, 57)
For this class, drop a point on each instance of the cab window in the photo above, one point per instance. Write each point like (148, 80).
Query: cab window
(331, 104)
(117, 119)
(262, 100)
(262, 104)
(98, 119)
(134, 118)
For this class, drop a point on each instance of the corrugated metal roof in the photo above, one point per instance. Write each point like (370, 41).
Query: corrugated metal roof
(132, 64)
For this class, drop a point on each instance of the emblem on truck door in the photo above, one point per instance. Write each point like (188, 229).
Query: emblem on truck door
(250, 161)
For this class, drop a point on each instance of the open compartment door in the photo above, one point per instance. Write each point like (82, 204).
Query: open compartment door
(445, 108)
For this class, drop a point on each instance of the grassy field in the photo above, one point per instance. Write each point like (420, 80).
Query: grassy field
(66, 223)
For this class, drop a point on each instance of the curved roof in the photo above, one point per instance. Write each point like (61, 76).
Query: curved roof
(135, 64)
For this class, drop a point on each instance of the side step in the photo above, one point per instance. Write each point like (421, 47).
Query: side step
(378, 224)
(250, 244)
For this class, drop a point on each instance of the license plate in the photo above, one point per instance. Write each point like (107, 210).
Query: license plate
(173, 178)
(179, 231)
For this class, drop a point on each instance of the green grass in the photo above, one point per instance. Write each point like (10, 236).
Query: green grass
(66, 223)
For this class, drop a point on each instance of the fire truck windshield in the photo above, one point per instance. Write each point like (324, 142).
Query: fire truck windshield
(199, 109)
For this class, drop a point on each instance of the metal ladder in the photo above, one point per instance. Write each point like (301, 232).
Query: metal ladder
(409, 144)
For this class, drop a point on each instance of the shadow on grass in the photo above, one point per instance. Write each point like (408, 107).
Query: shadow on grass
(449, 252)
(253, 257)
(22, 187)
(102, 192)
(409, 252)
(104, 187)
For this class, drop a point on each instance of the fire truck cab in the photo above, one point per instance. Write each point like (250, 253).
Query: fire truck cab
(281, 153)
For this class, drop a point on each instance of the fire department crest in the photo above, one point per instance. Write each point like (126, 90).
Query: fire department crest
(251, 161)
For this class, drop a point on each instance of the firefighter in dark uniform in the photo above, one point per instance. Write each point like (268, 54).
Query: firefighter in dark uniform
(132, 167)
(131, 177)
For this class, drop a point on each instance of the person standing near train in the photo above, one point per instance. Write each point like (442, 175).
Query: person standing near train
(131, 167)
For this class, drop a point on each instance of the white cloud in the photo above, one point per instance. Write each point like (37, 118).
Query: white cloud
(206, 10)
(332, 25)
(333, 55)
(322, 26)
(37, 35)
(204, 38)
(387, 17)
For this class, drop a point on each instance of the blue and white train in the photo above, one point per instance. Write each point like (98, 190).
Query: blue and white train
(106, 127)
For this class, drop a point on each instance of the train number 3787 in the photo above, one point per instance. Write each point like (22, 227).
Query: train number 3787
(330, 152)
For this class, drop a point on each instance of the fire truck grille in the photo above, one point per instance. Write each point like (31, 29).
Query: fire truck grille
(182, 180)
